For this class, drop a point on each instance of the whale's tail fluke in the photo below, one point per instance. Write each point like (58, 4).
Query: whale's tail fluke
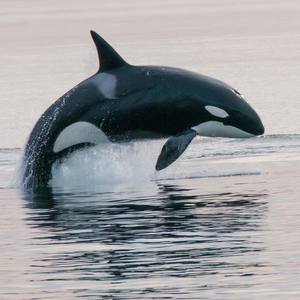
(108, 57)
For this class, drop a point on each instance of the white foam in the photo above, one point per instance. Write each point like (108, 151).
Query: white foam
(108, 164)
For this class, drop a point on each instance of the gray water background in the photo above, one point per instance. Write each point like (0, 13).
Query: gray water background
(221, 223)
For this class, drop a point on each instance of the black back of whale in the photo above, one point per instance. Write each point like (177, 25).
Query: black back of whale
(147, 102)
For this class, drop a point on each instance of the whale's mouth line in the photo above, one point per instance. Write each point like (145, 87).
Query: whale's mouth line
(251, 134)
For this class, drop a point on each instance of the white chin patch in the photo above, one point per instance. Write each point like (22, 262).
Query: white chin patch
(218, 129)
(216, 111)
(78, 133)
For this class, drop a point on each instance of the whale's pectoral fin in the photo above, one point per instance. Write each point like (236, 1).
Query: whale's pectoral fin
(173, 148)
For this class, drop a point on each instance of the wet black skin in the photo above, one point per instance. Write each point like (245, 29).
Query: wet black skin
(167, 101)
(149, 102)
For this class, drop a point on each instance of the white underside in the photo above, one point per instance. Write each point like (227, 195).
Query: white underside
(218, 129)
(78, 133)
(84, 132)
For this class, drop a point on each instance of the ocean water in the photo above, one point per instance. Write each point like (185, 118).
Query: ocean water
(221, 223)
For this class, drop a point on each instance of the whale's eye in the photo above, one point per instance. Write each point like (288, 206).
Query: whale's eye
(216, 111)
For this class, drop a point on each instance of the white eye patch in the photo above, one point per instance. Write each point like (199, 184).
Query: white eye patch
(216, 111)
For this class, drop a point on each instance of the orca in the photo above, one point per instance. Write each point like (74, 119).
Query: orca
(123, 102)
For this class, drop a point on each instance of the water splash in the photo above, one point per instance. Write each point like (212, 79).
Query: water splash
(108, 164)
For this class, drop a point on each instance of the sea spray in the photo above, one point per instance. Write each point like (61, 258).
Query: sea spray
(107, 164)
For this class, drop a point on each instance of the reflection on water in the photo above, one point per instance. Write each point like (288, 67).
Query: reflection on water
(215, 226)
(115, 245)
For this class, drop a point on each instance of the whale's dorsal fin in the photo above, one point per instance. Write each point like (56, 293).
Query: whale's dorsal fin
(108, 57)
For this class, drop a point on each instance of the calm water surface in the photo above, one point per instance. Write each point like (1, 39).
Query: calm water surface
(221, 223)
(217, 225)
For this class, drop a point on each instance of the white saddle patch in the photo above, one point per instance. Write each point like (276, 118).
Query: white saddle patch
(216, 111)
(107, 84)
(78, 133)
(218, 129)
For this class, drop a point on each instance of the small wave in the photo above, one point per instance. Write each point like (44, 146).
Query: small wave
(10, 150)
(134, 163)
(224, 175)
(264, 145)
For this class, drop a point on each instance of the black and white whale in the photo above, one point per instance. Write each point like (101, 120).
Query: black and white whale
(122, 102)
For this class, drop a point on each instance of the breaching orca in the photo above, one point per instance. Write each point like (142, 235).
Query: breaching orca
(122, 102)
